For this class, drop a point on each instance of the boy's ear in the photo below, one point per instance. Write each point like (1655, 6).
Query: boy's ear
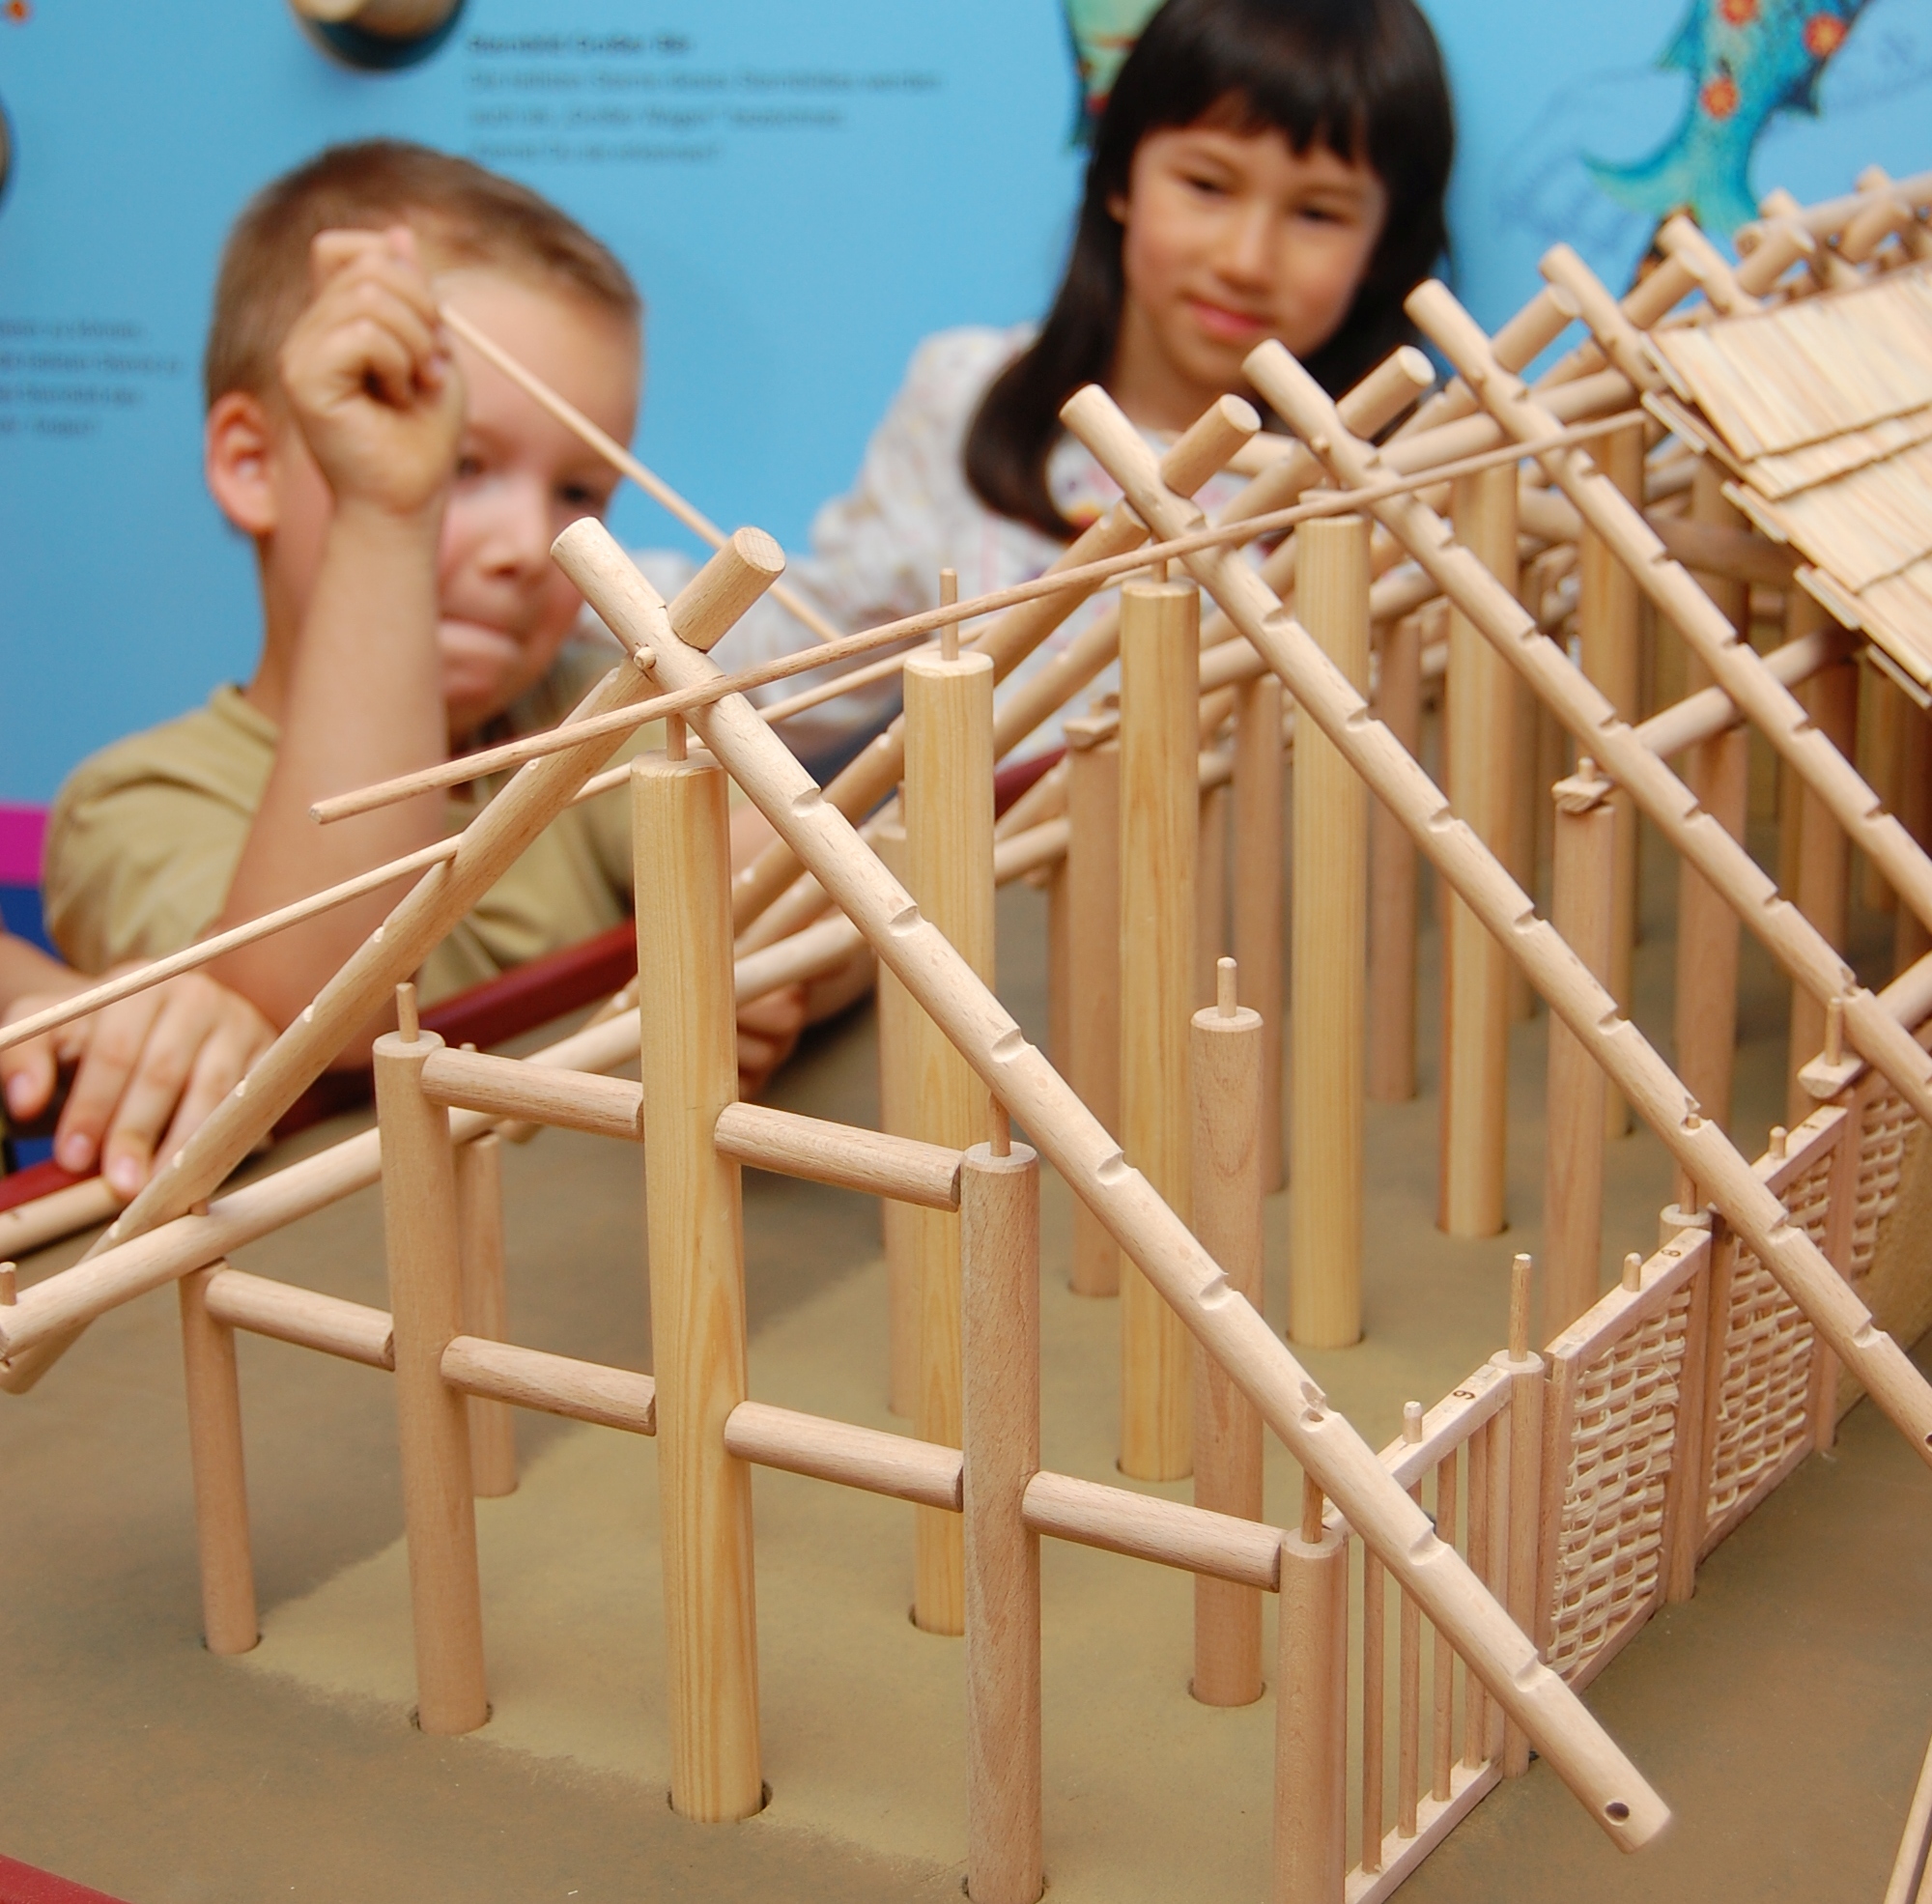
(238, 451)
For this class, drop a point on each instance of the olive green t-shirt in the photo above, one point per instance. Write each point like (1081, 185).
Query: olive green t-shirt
(144, 838)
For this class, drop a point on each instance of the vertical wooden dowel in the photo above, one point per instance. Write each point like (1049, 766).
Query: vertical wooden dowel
(1328, 961)
(1409, 1718)
(1525, 1503)
(1582, 909)
(1052, 880)
(479, 1217)
(948, 822)
(1375, 1693)
(1093, 930)
(1392, 882)
(1609, 625)
(1525, 795)
(1497, 1460)
(999, 1220)
(1442, 1755)
(1823, 890)
(1911, 940)
(1160, 797)
(1705, 1005)
(1475, 1727)
(1475, 983)
(1260, 872)
(688, 1050)
(1210, 892)
(419, 1227)
(1310, 1720)
(897, 1097)
(228, 1619)
(1882, 714)
(1227, 1175)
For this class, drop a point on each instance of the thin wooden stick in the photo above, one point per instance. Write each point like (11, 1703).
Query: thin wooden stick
(1375, 1698)
(1094, 898)
(1157, 1238)
(1259, 899)
(1443, 1753)
(619, 457)
(1055, 581)
(479, 1217)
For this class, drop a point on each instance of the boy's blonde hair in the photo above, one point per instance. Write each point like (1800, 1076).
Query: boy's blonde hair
(461, 214)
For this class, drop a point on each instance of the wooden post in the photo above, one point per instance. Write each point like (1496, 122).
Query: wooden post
(419, 1227)
(1583, 909)
(949, 822)
(479, 1217)
(1258, 873)
(1609, 624)
(1311, 1718)
(1329, 963)
(1093, 930)
(1160, 648)
(1228, 1166)
(898, 1095)
(688, 1051)
(1392, 885)
(1475, 968)
(1823, 886)
(1522, 1570)
(1910, 940)
(999, 1221)
(228, 1620)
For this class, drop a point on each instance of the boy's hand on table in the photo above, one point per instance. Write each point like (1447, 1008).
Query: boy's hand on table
(158, 1062)
(768, 1029)
(369, 373)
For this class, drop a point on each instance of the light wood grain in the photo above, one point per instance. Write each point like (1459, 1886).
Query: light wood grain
(1311, 1706)
(1475, 975)
(1160, 645)
(306, 1317)
(1328, 922)
(840, 1153)
(479, 1217)
(999, 1220)
(854, 1457)
(1172, 1533)
(1259, 895)
(1229, 1166)
(1823, 885)
(681, 844)
(1093, 902)
(949, 820)
(1392, 882)
(419, 1229)
(899, 1095)
(507, 1373)
(228, 1622)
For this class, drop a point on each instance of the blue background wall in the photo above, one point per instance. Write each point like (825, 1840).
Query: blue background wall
(802, 192)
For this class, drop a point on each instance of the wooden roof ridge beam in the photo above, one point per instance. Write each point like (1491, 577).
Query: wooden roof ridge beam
(1700, 1147)
(1734, 664)
(1154, 1236)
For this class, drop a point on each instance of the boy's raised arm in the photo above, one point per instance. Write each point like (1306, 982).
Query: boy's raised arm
(352, 485)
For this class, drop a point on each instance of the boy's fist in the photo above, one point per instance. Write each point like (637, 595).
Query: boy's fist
(369, 375)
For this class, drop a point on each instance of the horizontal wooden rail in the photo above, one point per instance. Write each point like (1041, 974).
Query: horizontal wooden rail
(841, 1451)
(537, 1093)
(1147, 1527)
(554, 1385)
(1709, 711)
(306, 1317)
(840, 1153)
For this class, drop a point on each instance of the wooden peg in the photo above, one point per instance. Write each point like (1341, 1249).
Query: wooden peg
(1411, 1421)
(407, 1023)
(1633, 1272)
(949, 633)
(10, 1292)
(1779, 1138)
(1834, 1031)
(1519, 1319)
(676, 745)
(1313, 1502)
(1226, 980)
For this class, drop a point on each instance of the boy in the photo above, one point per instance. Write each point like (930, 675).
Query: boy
(402, 497)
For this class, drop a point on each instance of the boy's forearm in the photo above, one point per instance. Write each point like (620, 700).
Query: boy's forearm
(363, 701)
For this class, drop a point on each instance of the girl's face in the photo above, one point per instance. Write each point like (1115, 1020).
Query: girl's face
(1230, 237)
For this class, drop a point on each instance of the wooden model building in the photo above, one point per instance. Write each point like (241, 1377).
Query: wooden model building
(1532, 1519)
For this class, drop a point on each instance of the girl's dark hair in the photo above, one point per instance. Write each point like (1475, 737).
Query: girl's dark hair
(1364, 77)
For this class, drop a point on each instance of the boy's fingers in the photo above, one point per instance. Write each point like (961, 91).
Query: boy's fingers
(115, 1041)
(27, 1073)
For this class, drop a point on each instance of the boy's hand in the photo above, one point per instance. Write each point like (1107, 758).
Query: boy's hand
(161, 1061)
(369, 373)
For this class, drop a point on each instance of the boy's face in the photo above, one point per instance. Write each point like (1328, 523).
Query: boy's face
(520, 477)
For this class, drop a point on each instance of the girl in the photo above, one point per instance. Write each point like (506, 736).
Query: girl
(1263, 168)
